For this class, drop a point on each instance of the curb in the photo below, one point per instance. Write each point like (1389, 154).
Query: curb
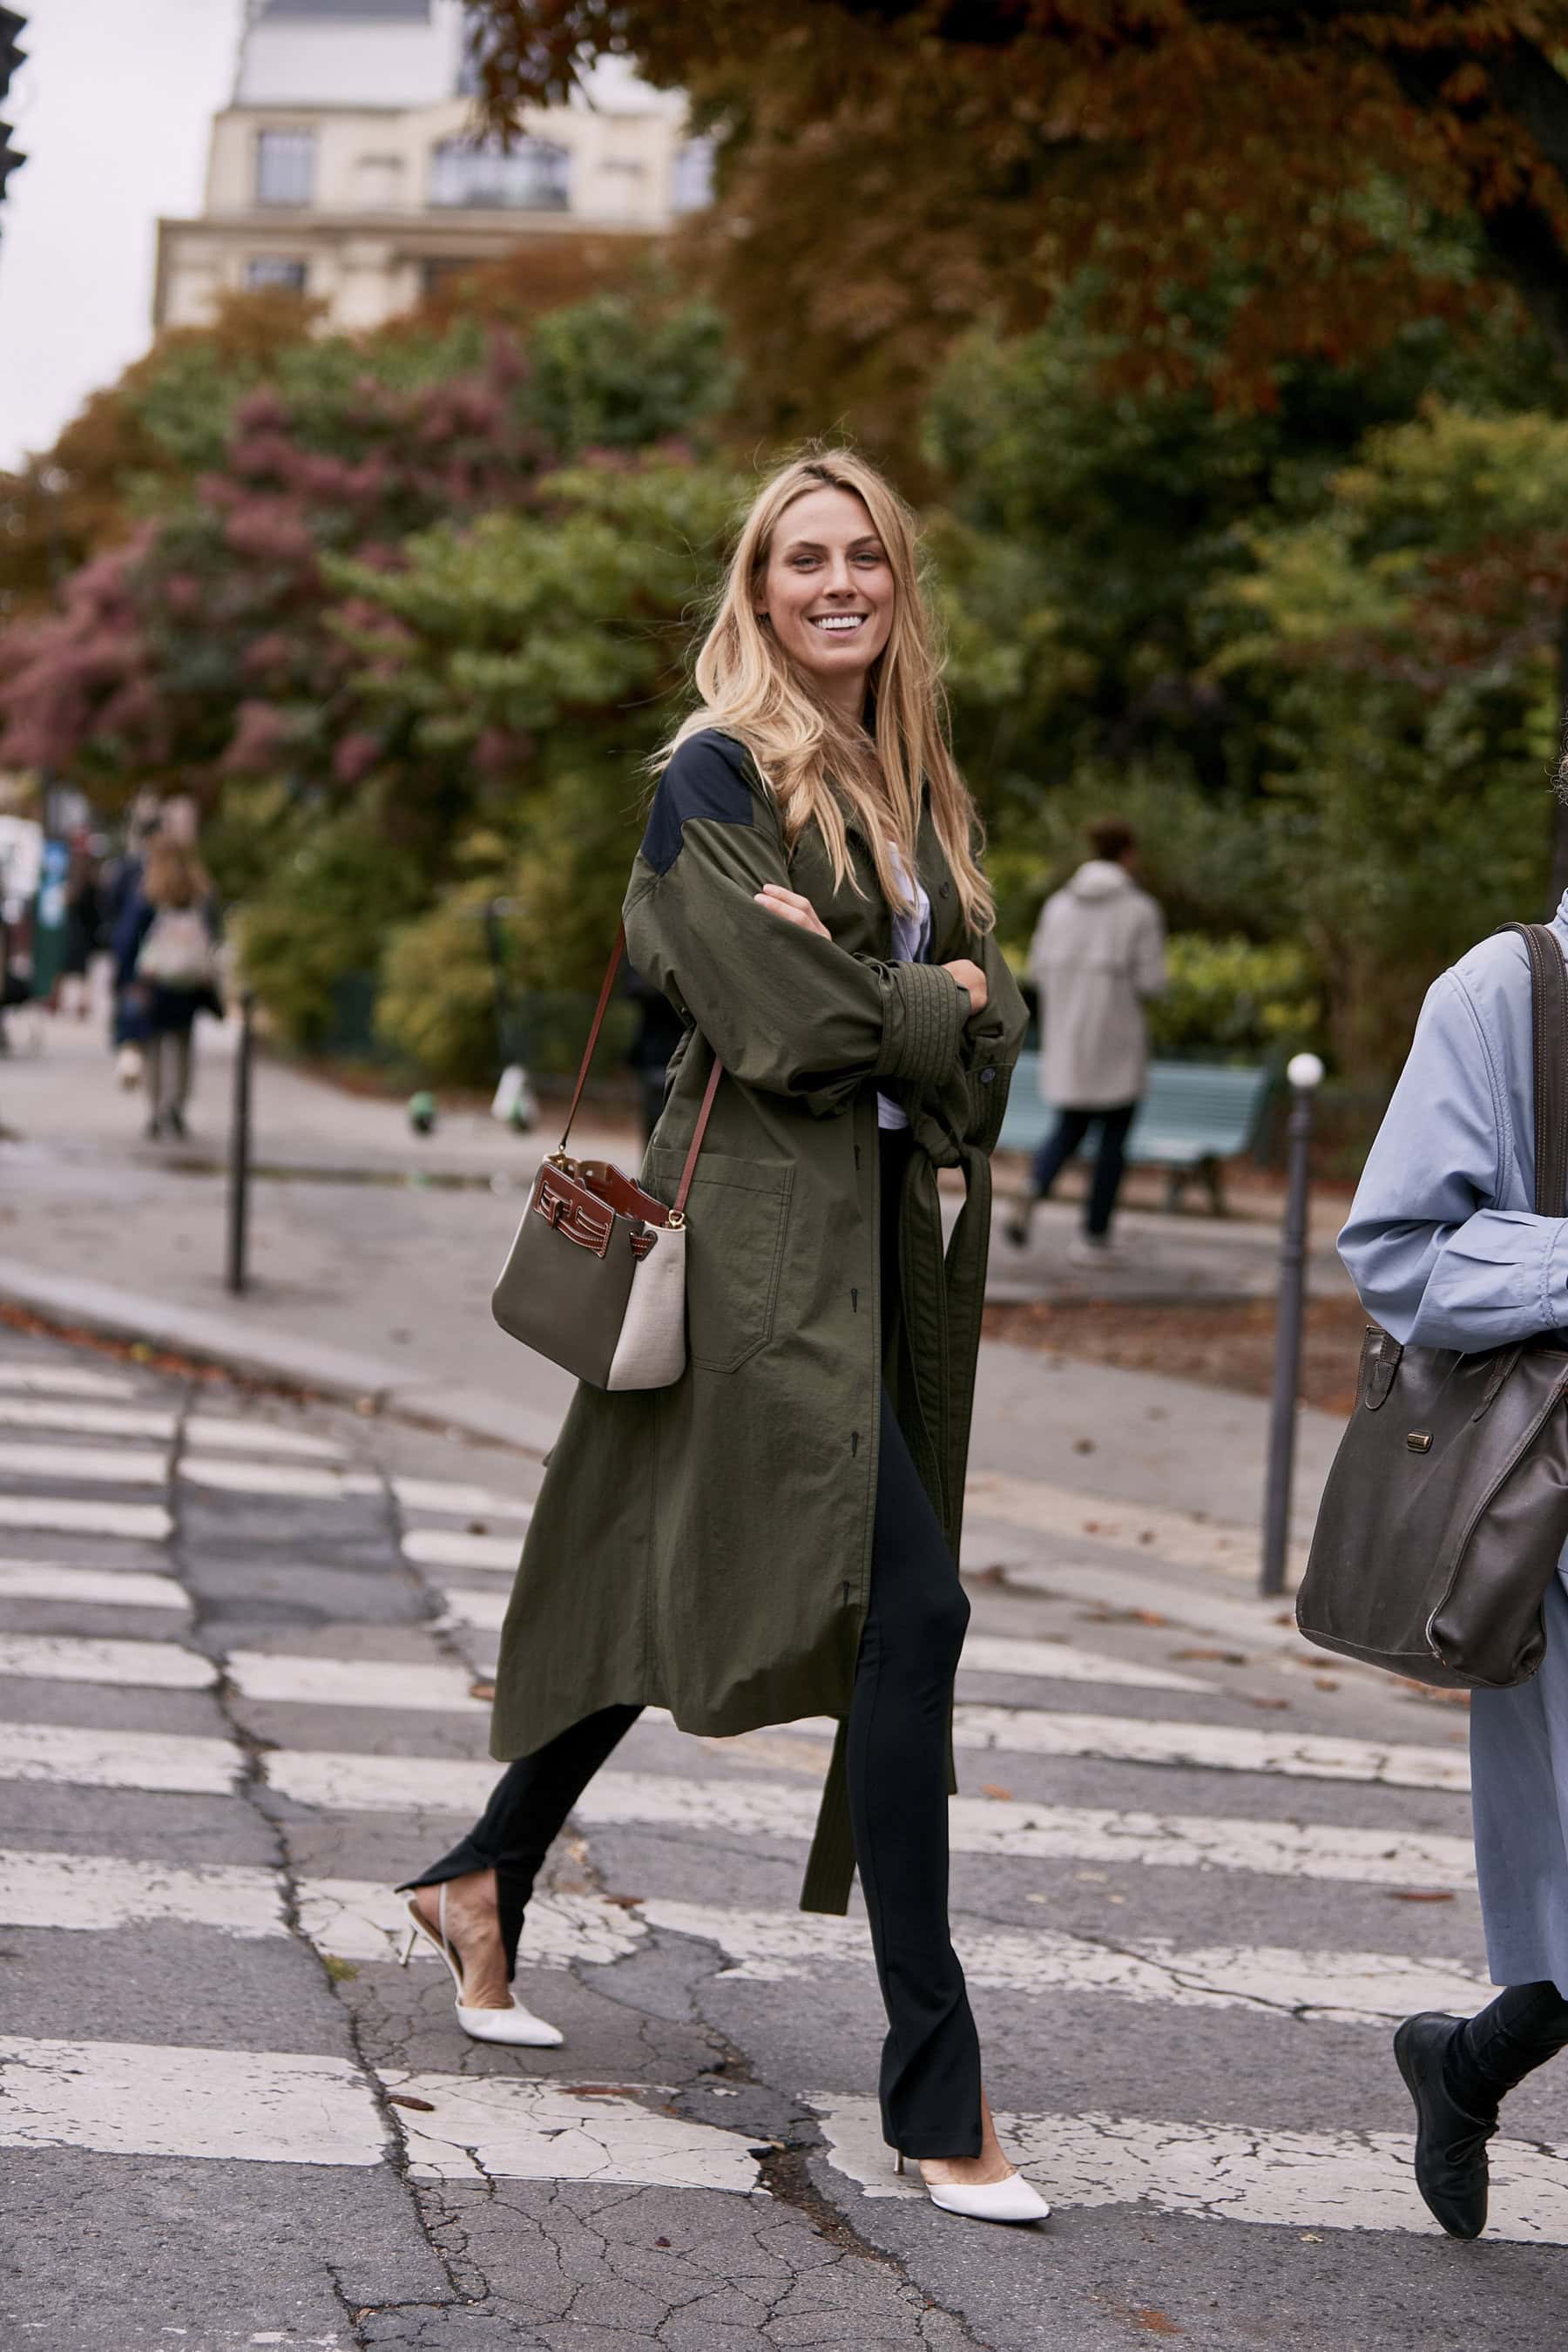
(213, 1337)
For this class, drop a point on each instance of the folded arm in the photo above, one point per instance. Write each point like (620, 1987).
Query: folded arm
(784, 1008)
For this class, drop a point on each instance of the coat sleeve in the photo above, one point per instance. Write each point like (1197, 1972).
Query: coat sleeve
(1431, 1256)
(784, 1010)
(1149, 977)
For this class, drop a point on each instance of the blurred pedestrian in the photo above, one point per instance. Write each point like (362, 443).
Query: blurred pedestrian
(1445, 1251)
(775, 1534)
(166, 968)
(1098, 954)
(120, 886)
(73, 992)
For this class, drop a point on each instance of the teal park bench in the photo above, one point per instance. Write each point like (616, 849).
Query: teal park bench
(1194, 1116)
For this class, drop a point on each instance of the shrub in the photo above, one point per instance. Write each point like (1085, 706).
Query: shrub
(1232, 1000)
(322, 916)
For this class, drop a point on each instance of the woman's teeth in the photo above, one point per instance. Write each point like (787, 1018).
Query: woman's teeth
(839, 625)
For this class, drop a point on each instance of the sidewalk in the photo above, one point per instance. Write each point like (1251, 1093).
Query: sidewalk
(372, 1253)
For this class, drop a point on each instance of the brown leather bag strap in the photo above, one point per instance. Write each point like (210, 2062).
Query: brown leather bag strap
(1549, 990)
(678, 1207)
(714, 1075)
(610, 971)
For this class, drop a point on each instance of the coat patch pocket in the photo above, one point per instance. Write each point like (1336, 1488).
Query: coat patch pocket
(737, 1225)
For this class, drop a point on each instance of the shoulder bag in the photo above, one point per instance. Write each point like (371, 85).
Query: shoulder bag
(596, 1278)
(1447, 1507)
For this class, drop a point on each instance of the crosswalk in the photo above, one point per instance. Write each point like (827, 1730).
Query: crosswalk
(372, 1738)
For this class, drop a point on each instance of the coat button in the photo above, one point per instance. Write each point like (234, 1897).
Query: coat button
(986, 1077)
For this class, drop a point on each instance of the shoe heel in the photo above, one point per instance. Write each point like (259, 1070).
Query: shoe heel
(406, 1954)
(897, 2160)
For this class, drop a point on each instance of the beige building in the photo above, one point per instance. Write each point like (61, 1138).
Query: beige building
(346, 164)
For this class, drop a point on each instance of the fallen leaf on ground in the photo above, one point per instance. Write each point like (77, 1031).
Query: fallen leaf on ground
(1420, 1894)
(402, 2099)
(1272, 1704)
(989, 1789)
(1215, 1657)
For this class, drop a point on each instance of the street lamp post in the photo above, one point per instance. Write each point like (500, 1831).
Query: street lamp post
(1304, 1073)
(236, 1273)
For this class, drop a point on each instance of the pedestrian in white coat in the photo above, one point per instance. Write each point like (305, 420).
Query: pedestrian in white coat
(1097, 953)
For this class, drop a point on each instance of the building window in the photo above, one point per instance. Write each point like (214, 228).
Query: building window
(275, 269)
(691, 185)
(285, 167)
(532, 175)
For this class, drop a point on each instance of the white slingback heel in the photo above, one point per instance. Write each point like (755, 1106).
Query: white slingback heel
(516, 2026)
(1012, 2200)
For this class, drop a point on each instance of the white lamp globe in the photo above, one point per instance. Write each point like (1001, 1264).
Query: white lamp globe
(1304, 1071)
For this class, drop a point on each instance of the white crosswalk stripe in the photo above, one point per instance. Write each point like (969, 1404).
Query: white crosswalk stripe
(93, 1465)
(96, 1893)
(223, 1433)
(343, 1682)
(357, 1920)
(85, 1420)
(62, 1514)
(64, 1754)
(75, 1658)
(300, 1482)
(255, 2106)
(455, 1547)
(116, 1588)
(63, 1380)
(1305, 2180)
(1067, 1662)
(1217, 1747)
(1010, 1830)
(451, 1495)
(279, 2106)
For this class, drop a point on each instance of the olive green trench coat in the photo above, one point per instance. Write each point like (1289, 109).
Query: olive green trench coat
(707, 1547)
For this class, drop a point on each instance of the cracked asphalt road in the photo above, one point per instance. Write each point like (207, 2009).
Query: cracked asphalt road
(228, 2118)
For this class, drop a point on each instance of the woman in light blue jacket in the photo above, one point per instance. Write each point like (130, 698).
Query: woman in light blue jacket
(1445, 1251)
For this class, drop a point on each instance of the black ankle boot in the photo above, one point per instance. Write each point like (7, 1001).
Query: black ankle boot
(1450, 2140)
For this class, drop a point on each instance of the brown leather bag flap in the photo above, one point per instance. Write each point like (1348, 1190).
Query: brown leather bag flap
(629, 1198)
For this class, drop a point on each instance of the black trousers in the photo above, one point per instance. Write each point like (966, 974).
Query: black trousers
(897, 1760)
(1109, 1160)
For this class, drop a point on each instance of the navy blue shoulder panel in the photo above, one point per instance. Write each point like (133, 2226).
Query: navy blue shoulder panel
(707, 777)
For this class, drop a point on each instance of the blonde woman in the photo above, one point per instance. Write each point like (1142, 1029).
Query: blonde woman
(776, 1536)
(166, 970)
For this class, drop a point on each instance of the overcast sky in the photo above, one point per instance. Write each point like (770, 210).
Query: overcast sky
(111, 110)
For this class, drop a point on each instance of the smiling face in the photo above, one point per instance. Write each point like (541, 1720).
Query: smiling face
(827, 593)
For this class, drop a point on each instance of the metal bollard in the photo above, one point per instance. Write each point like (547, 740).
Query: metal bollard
(239, 1150)
(1304, 1072)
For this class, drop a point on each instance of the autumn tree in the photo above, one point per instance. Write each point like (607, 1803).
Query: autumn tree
(894, 168)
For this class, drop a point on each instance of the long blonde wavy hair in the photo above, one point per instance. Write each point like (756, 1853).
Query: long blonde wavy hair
(752, 689)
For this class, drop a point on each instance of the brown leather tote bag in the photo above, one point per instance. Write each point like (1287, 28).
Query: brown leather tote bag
(596, 1278)
(1447, 1507)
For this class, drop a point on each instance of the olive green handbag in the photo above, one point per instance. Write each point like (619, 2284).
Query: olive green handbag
(1447, 1507)
(596, 1278)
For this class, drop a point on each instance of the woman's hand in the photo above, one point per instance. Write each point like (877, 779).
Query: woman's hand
(972, 980)
(793, 907)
